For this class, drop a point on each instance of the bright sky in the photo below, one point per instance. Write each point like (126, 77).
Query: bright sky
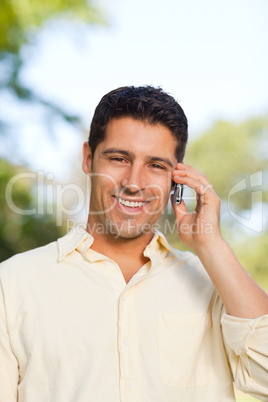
(210, 55)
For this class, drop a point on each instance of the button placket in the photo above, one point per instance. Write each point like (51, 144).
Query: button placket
(127, 347)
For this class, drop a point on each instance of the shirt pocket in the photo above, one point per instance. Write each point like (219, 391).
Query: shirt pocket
(185, 352)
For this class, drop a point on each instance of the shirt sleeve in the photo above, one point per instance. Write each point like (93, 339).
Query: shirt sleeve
(8, 362)
(246, 342)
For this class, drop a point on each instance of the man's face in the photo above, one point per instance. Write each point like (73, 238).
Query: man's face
(130, 177)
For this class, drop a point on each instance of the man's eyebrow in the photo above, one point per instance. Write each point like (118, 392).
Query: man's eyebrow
(160, 159)
(118, 151)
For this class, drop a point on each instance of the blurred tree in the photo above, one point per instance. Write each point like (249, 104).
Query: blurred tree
(228, 152)
(19, 232)
(252, 253)
(20, 21)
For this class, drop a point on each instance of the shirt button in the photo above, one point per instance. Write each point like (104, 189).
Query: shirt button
(130, 384)
(123, 298)
(106, 262)
(126, 342)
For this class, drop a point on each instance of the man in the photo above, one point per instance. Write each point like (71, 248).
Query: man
(113, 313)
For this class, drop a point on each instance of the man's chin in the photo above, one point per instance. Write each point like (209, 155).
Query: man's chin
(128, 230)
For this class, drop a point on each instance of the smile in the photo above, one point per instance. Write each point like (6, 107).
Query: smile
(130, 204)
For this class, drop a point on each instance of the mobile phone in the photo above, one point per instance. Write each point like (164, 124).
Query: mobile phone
(178, 192)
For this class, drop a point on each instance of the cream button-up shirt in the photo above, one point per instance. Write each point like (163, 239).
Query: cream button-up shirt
(72, 330)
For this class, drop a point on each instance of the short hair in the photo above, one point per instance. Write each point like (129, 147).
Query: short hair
(144, 103)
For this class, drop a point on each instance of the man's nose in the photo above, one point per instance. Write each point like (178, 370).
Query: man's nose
(134, 179)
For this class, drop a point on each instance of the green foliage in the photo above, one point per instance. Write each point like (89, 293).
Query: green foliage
(228, 152)
(241, 397)
(20, 21)
(21, 18)
(252, 253)
(18, 232)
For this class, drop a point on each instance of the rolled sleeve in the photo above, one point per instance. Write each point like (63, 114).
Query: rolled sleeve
(246, 342)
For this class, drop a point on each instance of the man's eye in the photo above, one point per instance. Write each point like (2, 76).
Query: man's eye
(156, 166)
(118, 159)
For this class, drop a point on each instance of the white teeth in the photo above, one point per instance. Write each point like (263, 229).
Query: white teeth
(130, 204)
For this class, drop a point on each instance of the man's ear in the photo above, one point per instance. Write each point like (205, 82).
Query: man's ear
(87, 158)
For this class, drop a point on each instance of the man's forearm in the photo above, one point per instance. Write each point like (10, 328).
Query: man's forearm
(240, 294)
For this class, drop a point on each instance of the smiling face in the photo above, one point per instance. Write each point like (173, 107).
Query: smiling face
(130, 177)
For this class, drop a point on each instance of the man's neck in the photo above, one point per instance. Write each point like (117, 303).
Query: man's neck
(127, 253)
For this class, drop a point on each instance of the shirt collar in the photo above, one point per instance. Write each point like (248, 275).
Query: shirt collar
(78, 236)
(72, 240)
(160, 243)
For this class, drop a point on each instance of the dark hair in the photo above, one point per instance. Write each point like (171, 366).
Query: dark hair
(145, 103)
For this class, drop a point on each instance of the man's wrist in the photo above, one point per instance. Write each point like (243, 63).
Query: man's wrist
(215, 244)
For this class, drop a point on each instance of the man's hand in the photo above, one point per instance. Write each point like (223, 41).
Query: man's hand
(200, 230)
(201, 227)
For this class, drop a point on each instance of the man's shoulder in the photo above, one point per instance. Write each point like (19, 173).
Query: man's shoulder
(190, 264)
(47, 253)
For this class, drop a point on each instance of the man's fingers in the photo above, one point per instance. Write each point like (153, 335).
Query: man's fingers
(200, 186)
(180, 210)
(192, 178)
